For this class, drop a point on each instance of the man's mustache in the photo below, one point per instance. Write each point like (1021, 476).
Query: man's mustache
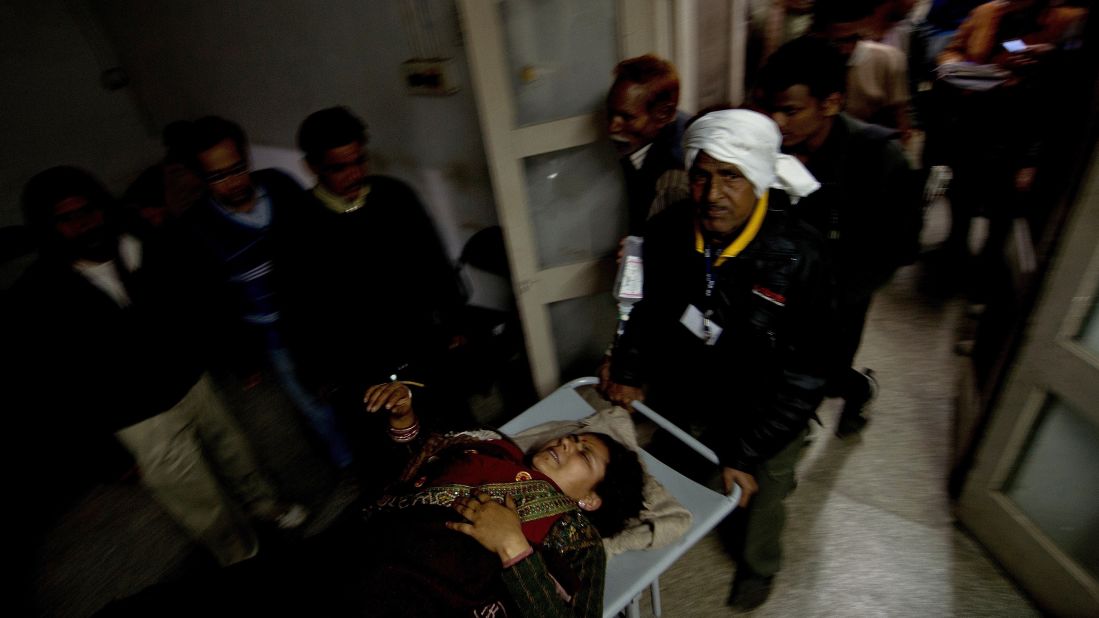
(243, 196)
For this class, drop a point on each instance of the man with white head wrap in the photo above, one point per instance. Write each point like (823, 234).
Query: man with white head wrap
(729, 338)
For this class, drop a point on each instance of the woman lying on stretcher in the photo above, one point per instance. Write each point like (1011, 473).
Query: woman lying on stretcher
(474, 527)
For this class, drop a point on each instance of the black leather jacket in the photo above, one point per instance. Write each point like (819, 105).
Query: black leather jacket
(756, 388)
(867, 208)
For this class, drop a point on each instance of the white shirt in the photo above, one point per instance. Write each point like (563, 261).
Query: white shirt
(638, 157)
(104, 275)
(877, 78)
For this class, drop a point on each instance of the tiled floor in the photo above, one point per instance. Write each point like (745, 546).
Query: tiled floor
(870, 531)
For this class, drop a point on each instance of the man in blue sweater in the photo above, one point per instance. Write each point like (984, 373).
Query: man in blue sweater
(246, 237)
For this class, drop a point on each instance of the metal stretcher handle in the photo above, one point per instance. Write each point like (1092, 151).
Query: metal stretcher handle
(689, 440)
(673, 429)
(664, 423)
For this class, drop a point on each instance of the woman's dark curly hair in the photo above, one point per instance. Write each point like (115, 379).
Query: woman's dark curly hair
(620, 490)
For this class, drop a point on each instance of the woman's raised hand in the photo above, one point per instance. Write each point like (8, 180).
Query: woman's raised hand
(394, 397)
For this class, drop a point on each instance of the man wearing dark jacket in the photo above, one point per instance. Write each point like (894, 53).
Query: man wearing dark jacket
(730, 335)
(245, 237)
(646, 130)
(109, 345)
(383, 296)
(867, 208)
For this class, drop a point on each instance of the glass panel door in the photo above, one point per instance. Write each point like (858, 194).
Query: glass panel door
(577, 204)
(540, 72)
(1032, 499)
(1058, 460)
(560, 54)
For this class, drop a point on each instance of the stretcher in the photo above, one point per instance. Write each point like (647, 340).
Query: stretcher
(631, 572)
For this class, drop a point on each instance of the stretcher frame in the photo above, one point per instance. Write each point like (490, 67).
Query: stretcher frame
(629, 573)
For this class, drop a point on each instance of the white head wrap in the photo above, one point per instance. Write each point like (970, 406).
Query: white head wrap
(750, 141)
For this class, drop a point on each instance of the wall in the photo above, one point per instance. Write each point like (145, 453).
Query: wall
(269, 64)
(53, 109)
(714, 41)
(266, 64)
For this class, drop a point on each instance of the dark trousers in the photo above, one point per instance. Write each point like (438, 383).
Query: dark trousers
(843, 380)
(754, 533)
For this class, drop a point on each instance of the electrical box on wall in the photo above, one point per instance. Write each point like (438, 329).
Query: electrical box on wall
(430, 76)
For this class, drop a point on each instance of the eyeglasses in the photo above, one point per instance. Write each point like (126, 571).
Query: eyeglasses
(238, 169)
(335, 168)
(87, 210)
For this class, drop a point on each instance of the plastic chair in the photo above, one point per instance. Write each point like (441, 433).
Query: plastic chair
(629, 573)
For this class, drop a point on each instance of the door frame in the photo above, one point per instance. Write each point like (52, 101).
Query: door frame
(642, 27)
(1051, 363)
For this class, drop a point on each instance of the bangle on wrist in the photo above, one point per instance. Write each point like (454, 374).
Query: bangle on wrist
(407, 434)
(519, 558)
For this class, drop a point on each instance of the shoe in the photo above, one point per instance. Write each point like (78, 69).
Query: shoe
(871, 384)
(749, 591)
(293, 517)
(852, 420)
(850, 425)
(282, 515)
(964, 347)
(974, 311)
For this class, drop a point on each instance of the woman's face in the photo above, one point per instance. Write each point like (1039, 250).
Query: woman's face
(576, 462)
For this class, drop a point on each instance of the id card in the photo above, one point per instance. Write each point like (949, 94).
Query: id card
(700, 326)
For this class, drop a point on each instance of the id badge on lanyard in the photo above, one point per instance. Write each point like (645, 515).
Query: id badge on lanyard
(698, 321)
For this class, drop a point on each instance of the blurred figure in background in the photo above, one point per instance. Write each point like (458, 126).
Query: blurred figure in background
(647, 130)
(245, 235)
(867, 207)
(892, 24)
(1000, 85)
(1041, 24)
(772, 23)
(164, 192)
(877, 74)
(943, 19)
(111, 347)
(930, 36)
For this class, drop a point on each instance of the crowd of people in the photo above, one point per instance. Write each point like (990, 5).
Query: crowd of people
(802, 205)
(207, 268)
(768, 229)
